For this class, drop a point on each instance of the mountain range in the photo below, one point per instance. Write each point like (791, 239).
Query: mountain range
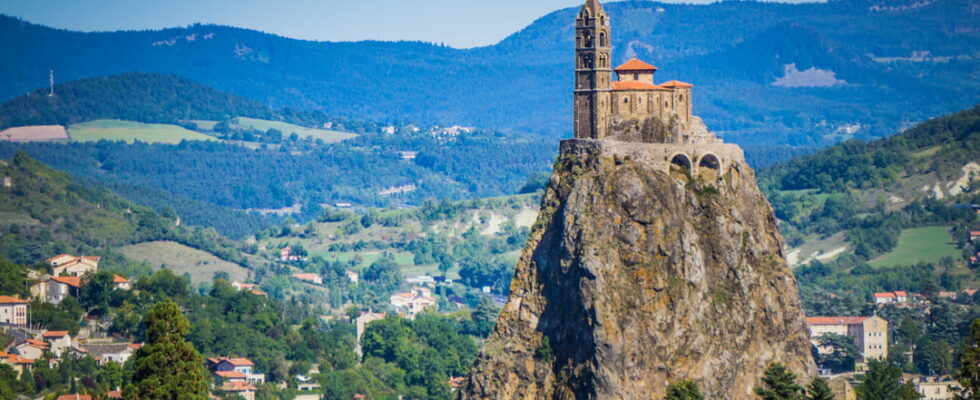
(765, 74)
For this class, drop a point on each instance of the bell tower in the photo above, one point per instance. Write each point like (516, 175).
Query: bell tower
(593, 73)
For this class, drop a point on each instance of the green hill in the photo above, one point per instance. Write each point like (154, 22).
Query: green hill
(152, 98)
(891, 214)
(45, 212)
(129, 131)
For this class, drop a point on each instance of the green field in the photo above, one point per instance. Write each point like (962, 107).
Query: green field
(919, 245)
(328, 136)
(129, 131)
(201, 265)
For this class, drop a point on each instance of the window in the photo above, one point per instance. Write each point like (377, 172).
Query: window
(682, 98)
(636, 76)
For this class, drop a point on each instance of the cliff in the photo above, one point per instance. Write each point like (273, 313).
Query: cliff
(641, 272)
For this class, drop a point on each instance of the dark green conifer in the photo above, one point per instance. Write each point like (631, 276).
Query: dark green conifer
(167, 367)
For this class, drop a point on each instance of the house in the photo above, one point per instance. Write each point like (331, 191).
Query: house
(73, 266)
(244, 389)
(235, 368)
(13, 311)
(60, 341)
(32, 348)
(60, 287)
(17, 362)
(946, 295)
(413, 302)
(934, 387)
(456, 382)
(974, 236)
(870, 334)
(352, 276)
(286, 254)
(898, 296)
(121, 283)
(309, 277)
(306, 383)
(110, 352)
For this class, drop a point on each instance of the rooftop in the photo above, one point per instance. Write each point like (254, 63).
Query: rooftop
(835, 320)
(11, 300)
(635, 65)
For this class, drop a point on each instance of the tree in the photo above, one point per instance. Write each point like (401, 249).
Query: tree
(818, 389)
(779, 384)
(167, 367)
(884, 382)
(843, 352)
(969, 374)
(684, 390)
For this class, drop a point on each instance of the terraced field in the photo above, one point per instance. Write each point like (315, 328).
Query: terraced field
(327, 135)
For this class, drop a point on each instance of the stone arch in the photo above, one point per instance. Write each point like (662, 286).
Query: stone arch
(709, 167)
(680, 162)
(602, 39)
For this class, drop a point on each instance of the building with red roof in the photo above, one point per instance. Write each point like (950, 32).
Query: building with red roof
(870, 334)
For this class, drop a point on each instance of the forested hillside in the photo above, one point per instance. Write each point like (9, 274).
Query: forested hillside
(766, 74)
(889, 207)
(45, 212)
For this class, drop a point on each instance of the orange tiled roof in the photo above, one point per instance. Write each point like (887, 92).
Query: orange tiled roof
(36, 343)
(73, 281)
(119, 279)
(888, 295)
(835, 320)
(230, 374)
(16, 359)
(239, 386)
(75, 397)
(115, 394)
(49, 259)
(673, 84)
(636, 65)
(54, 334)
(11, 300)
(239, 361)
(634, 85)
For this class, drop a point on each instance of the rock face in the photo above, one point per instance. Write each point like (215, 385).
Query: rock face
(640, 273)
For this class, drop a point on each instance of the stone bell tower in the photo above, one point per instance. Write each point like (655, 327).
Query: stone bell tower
(593, 74)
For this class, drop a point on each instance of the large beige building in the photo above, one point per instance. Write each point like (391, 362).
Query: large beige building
(68, 264)
(13, 311)
(870, 334)
(935, 388)
(599, 100)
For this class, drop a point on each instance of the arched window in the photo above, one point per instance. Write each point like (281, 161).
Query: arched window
(681, 161)
(682, 98)
(602, 39)
(588, 40)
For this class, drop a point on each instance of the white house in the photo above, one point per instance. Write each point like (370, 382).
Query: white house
(60, 341)
(13, 311)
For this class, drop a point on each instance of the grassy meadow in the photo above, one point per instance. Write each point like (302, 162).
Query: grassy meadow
(916, 245)
(328, 136)
(130, 131)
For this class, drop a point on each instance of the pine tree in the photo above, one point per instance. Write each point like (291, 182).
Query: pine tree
(884, 382)
(684, 390)
(818, 389)
(969, 374)
(167, 367)
(779, 384)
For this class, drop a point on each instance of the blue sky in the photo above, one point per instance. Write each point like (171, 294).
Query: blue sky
(458, 23)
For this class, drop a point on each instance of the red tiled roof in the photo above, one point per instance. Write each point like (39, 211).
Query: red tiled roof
(835, 320)
(239, 386)
(11, 300)
(119, 279)
(634, 85)
(673, 84)
(901, 293)
(16, 359)
(888, 295)
(115, 394)
(36, 343)
(974, 233)
(230, 374)
(75, 397)
(239, 362)
(54, 334)
(72, 281)
(635, 65)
